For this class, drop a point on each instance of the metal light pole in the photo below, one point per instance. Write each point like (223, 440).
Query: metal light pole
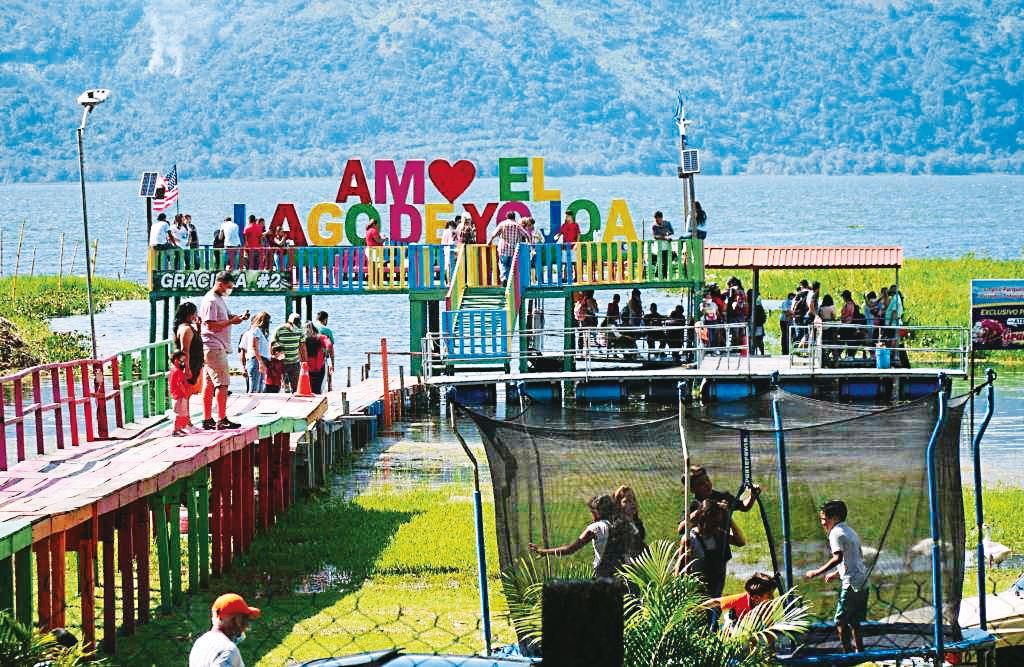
(89, 99)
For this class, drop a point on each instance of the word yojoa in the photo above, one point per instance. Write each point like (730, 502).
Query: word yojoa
(412, 219)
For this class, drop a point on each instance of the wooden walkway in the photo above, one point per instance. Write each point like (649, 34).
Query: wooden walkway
(131, 486)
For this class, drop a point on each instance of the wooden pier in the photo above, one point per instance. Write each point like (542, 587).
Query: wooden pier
(105, 479)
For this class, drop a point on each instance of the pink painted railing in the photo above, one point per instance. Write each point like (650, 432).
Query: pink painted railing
(79, 401)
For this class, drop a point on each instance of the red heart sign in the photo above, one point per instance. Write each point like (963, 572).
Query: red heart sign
(451, 180)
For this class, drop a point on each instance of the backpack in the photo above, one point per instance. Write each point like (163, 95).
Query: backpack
(800, 307)
(760, 317)
(218, 238)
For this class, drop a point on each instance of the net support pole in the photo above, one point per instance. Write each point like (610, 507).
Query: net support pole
(780, 454)
(478, 520)
(933, 511)
(979, 514)
(681, 387)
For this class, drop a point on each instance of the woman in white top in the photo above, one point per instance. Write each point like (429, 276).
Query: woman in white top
(608, 532)
(258, 352)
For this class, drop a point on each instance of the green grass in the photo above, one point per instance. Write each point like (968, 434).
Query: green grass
(29, 302)
(411, 581)
(937, 292)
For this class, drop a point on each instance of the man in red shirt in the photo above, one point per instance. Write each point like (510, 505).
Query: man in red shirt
(252, 239)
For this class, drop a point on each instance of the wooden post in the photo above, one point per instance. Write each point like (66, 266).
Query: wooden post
(229, 502)
(109, 594)
(23, 585)
(348, 379)
(140, 539)
(238, 504)
(401, 390)
(384, 370)
(87, 583)
(216, 510)
(173, 513)
(43, 582)
(58, 580)
(159, 510)
(124, 558)
(192, 510)
(264, 495)
(203, 505)
(32, 269)
(7, 584)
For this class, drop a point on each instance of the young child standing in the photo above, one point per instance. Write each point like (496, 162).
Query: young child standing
(848, 561)
(275, 370)
(180, 392)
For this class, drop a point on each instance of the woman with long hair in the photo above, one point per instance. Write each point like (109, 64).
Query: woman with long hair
(629, 510)
(188, 340)
(707, 554)
(258, 352)
(317, 349)
(608, 532)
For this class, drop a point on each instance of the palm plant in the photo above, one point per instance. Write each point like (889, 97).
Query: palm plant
(20, 646)
(523, 585)
(666, 616)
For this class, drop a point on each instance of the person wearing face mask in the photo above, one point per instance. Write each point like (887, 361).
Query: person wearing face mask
(219, 646)
(216, 333)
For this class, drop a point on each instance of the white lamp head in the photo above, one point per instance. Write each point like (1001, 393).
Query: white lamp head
(91, 98)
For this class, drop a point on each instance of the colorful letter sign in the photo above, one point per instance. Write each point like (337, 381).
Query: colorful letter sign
(997, 314)
(398, 200)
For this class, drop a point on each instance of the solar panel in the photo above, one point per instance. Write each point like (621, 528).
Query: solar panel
(147, 188)
(691, 162)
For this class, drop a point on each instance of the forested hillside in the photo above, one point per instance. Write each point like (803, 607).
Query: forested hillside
(292, 87)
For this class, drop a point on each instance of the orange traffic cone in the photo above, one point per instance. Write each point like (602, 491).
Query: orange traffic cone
(304, 387)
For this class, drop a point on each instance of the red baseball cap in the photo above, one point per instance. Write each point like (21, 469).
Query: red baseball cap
(231, 604)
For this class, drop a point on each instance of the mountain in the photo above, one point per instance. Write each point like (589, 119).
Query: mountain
(261, 88)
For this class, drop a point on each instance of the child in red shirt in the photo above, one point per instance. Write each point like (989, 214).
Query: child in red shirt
(275, 370)
(181, 390)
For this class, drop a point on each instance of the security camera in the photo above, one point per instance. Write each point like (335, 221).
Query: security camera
(91, 98)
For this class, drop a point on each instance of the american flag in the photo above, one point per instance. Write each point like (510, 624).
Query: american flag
(170, 184)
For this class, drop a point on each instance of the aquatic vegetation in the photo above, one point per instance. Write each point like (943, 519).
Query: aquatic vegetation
(29, 301)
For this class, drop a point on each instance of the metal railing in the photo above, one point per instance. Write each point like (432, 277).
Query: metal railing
(540, 349)
(712, 347)
(416, 267)
(834, 344)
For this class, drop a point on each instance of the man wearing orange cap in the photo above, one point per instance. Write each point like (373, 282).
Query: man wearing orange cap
(219, 646)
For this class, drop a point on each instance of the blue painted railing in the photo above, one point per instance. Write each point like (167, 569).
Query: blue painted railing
(475, 334)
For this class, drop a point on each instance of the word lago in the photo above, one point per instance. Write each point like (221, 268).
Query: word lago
(412, 219)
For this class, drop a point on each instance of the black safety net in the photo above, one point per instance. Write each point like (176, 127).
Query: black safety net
(872, 458)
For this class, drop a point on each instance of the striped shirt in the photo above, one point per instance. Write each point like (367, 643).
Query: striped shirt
(288, 338)
(510, 234)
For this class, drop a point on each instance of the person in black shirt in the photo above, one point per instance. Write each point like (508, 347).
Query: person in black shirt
(702, 489)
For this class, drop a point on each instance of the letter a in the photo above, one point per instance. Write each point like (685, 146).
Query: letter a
(353, 183)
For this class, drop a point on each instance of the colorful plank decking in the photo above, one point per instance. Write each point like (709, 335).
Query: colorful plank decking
(76, 498)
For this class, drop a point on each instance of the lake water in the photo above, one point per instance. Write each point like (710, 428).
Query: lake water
(929, 216)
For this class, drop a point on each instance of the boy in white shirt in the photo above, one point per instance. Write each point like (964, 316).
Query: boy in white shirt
(844, 544)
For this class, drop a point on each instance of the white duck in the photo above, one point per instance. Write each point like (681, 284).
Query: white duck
(994, 551)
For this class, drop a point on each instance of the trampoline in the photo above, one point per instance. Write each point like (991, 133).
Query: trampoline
(897, 468)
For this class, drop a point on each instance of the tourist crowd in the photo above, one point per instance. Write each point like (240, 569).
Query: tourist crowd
(271, 359)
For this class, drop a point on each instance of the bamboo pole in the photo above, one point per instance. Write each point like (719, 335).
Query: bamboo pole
(124, 267)
(95, 255)
(17, 262)
(1, 251)
(32, 270)
(74, 256)
(60, 264)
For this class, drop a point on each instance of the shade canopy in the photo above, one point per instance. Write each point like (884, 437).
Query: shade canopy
(802, 257)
